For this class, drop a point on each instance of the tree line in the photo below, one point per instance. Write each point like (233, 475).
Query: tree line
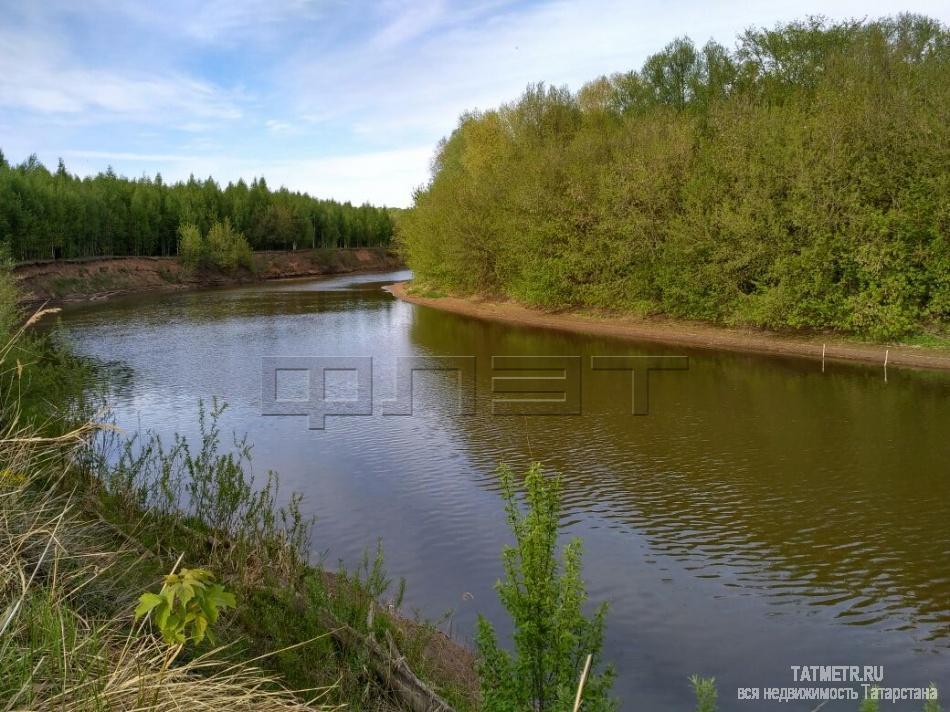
(46, 215)
(799, 180)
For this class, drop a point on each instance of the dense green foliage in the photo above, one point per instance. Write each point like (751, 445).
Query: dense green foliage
(46, 215)
(223, 248)
(552, 638)
(800, 180)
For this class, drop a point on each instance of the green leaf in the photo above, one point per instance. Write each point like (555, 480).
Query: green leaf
(147, 601)
(198, 632)
(207, 607)
(162, 612)
(221, 598)
(187, 593)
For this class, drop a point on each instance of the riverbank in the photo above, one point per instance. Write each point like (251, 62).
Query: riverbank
(685, 333)
(95, 279)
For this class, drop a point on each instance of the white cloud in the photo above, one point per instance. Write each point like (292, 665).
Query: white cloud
(279, 127)
(214, 22)
(37, 76)
(126, 156)
(381, 177)
(232, 20)
(427, 66)
(406, 22)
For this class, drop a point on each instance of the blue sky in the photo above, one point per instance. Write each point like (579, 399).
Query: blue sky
(341, 99)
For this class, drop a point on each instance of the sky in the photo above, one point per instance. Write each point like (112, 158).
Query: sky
(342, 99)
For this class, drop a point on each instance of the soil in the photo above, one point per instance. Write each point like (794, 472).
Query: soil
(686, 333)
(65, 281)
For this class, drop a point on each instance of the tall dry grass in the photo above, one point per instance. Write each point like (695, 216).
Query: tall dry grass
(67, 639)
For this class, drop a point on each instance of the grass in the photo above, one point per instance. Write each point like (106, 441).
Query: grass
(929, 340)
(68, 581)
(425, 291)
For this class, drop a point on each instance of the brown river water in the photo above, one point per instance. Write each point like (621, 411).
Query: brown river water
(764, 514)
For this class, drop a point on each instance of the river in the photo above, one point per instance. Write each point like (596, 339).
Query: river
(764, 513)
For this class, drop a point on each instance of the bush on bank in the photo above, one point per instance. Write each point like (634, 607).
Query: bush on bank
(799, 180)
(222, 247)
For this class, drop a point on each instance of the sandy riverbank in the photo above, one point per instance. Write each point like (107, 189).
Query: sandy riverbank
(686, 333)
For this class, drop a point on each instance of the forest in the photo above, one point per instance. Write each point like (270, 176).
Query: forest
(53, 215)
(799, 180)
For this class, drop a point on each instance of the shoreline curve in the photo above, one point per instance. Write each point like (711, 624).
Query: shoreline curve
(685, 333)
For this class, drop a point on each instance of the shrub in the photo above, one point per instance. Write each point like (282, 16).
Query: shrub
(187, 605)
(223, 248)
(227, 247)
(705, 690)
(9, 313)
(192, 249)
(545, 598)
